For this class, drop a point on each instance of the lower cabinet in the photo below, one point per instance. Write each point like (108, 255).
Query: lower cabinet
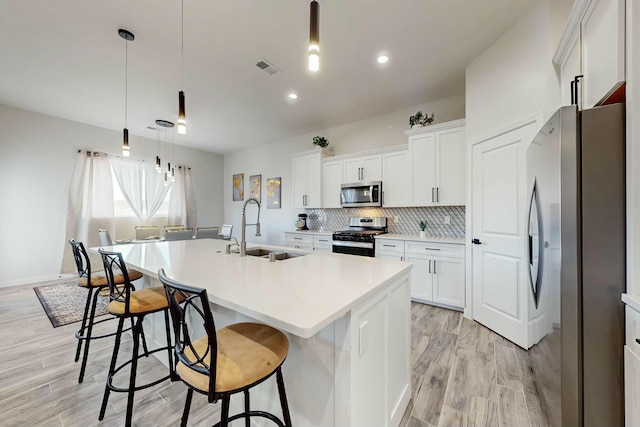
(632, 368)
(308, 241)
(438, 273)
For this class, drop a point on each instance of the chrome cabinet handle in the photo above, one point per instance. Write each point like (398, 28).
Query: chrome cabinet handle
(434, 266)
(432, 198)
(437, 194)
(389, 246)
(297, 238)
(431, 249)
(429, 266)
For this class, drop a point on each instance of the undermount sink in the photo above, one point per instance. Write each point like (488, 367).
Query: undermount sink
(264, 253)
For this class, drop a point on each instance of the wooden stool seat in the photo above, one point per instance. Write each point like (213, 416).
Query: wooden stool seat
(144, 301)
(247, 353)
(98, 280)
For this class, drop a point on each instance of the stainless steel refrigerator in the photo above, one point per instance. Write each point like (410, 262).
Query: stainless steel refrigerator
(576, 245)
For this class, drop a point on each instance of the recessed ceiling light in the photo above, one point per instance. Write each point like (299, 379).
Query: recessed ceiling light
(293, 95)
(383, 59)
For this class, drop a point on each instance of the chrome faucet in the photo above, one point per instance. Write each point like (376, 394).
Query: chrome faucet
(243, 242)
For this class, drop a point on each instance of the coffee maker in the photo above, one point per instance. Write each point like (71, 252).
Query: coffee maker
(301, 223)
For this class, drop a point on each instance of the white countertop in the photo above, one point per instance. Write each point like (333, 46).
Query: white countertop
(431, 239)
(632, 301)
(318, 232)
(299, 295)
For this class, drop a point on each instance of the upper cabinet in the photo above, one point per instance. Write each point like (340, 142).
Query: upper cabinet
(437, 165)
(593, 45)
(395, 172)
(332, 183)
(307, 179)
(364, 168)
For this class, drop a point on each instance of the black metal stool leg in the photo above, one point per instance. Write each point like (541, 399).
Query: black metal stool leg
(87, 336)
(112, 368)
(134, 367)
(224, 415)
(187, 406)
(247, 419)
(283, 399)
(167, 327)
(82, 326)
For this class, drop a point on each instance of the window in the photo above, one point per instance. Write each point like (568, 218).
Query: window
(122, 208)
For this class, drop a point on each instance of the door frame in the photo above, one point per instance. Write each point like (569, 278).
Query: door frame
(539, 120)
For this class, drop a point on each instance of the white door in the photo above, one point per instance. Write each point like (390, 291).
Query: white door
(314, 183)
(423, 169)
(498, 217)
(332, 180)
(372, 168)
(300, 182)
(421, 286)
(451, 168)
(352, 170)
(448, 281)
(396, 176)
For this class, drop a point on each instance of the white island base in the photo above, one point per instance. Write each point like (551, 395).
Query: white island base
(351, 369)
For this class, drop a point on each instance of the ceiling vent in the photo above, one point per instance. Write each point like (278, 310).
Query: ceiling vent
(267, 67)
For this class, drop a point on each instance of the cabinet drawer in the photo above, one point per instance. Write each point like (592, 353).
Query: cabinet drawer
(298, 239)
(387, 245)
(435, 249)
(323, 242)
(632, 326)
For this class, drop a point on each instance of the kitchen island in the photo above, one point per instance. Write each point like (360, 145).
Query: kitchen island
(347, 319)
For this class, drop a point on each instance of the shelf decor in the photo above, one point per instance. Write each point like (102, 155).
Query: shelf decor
(420, 119)
(273, 193)
(238, 187)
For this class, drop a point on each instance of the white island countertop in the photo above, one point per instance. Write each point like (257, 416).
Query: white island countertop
(300, 295)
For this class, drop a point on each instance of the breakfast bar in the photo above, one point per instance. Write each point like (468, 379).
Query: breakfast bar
(347, 319)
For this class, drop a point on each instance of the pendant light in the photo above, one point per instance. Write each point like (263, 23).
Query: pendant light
(182, 121)
(314, 38)
(165, 134)
(127, 36)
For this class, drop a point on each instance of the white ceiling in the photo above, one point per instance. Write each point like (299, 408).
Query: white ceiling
(64, 58)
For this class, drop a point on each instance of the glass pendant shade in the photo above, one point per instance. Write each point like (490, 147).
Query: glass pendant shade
(182, 121)
(314, 37)
(125, 142)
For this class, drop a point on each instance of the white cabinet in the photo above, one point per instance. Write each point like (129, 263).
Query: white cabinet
(390, 249)
(396, 178)
(364, 168)
(593, 45)
(307, 180)
(331, 184)
(308, 241)
(632, 368)
(438, 273)
(437, 165)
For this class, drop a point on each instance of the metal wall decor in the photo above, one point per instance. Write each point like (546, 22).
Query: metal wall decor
(255, 186)
(238, 187)
(273, 193)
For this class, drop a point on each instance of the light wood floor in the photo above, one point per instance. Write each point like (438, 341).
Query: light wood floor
(463, 375)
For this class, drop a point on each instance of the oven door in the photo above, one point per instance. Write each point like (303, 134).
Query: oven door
(354, 248)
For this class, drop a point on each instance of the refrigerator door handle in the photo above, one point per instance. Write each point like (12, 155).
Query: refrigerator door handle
(534, 220)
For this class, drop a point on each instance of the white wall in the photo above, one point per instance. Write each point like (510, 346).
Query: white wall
(274, 160)
(515, 77)
(37, 156)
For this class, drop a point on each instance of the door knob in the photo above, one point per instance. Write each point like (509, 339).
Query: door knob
(476, 241)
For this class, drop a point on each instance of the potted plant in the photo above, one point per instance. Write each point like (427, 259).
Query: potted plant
(320, 141)
(420, 119)
(423, 229)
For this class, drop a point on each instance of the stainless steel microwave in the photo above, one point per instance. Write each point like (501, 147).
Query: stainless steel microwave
(361, 194)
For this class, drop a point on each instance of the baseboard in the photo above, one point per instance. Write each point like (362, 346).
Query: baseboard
(28, 280)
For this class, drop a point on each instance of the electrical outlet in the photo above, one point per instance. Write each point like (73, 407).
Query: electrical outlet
(447, 219)
(396, 218)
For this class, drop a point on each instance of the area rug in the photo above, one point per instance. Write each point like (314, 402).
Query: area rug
(64, 301)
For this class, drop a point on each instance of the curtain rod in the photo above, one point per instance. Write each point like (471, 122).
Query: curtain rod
(101, 154)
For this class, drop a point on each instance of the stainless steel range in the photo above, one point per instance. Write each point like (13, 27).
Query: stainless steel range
(359, 239)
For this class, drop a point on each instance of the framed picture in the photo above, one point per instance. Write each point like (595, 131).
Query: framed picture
(273, 193)
(238, 187)
(255, 186)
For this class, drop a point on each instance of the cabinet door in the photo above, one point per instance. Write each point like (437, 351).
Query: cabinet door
(372, 168)
(314, 182)
(451, 168)
(300, 181)
(352, 170)
(391, 256)
(448, 281)
(571, 68)
(395, 179)
(631, 388)
(422, 155)
(332, 180)
(603, 49)
(421, 286)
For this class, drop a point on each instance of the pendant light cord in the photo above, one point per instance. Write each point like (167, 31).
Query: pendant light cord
(126, 74)
(182, 47)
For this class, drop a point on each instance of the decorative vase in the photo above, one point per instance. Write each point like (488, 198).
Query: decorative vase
(423, 234)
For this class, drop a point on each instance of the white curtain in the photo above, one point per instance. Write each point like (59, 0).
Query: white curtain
(142, 186)
(90, 205)
(182, 205)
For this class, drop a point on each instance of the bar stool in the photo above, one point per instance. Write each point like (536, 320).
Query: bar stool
(128, 303)
(95, 284)
(221, 363)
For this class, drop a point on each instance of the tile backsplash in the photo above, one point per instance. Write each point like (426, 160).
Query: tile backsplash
(408, 219)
